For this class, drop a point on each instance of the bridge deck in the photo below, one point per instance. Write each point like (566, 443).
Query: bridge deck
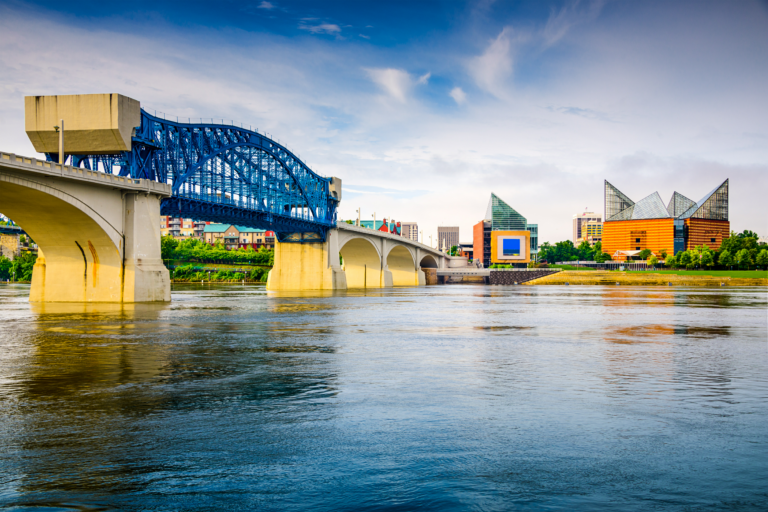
(13, 162)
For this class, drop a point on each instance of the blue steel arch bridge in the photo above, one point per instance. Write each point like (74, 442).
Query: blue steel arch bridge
(226, 174)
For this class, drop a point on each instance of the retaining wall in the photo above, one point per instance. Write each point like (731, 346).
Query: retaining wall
(504, 277)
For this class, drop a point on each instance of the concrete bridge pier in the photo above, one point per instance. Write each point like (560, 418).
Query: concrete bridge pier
(352, 258)
(307, 266)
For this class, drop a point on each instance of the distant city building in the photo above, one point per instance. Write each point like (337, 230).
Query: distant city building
(10, 246)
(236, 237)
(501, 220)
(592, 232)
(410, 230)
(481, 236)
(467, 250)
(579, 221)
(447, 236)
(181, 228)
(682, 225)
(382, 225)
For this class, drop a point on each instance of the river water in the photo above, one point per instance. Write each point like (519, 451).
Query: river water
(440, 398)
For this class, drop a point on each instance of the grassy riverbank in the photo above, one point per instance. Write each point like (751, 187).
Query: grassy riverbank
(649, 278)
(741, 274)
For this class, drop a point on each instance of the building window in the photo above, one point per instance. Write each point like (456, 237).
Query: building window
(637, 248)
(712, 240)
(637, 240)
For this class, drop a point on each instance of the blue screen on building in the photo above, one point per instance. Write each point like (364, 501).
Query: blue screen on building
(511, 246)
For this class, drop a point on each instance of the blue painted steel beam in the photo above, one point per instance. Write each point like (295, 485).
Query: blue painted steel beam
(225, 174)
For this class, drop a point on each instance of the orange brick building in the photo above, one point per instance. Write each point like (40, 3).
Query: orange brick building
(682, 225)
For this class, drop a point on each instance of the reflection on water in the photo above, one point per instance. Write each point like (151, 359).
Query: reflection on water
(440, 398)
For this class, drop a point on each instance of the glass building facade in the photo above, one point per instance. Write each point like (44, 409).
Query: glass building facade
(681, 225)
(503, 217)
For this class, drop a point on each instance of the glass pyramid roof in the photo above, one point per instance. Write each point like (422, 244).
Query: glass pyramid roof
(679, 204)
(503, 217)
(616, 202)
(651, 207)
(712, 206)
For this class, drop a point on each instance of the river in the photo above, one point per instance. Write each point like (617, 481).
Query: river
(463, 397)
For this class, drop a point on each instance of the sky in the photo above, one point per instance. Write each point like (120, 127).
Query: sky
(425, 108)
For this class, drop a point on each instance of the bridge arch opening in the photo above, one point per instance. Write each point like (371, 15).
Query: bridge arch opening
(401, 264)
(361, 263)
(428, 261)
(78, 260)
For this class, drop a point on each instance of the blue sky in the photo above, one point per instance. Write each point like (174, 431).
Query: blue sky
(425, 108)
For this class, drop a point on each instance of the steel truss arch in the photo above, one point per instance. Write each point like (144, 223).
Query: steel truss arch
(224, 173)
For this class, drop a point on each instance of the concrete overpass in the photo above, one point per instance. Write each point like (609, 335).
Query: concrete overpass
(354, 257)
(98, 234)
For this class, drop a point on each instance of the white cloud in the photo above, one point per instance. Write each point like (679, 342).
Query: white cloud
(572, 13)
(322, 28)
(458, 95)
(493, 68)
(364, 36)
(266, 5)
(397, 83)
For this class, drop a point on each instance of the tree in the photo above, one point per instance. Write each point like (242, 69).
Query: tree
(685, 259)
(644, 254)
(5, 268)
(735, 243)
(653, 261)
(743, 258)
(602, 257)
(454, 250)
(762, 259)
(663, 254)
(747, 234)
(725, 259)
(707, 259)
(585, 251)
(168, 244)
(671, 261)
(23, 265)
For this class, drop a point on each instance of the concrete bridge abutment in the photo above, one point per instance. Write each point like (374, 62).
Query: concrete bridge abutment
(98, 234)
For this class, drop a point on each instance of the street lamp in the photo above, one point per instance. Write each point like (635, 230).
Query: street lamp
(60, 130)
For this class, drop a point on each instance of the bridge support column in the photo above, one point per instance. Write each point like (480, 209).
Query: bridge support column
(307, 266)
(145, 278)
(386, 274)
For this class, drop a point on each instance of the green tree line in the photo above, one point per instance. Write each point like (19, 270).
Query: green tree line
(740, 250)
(566, 251)
(18, 269)
(195, 250)
(191, 273)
